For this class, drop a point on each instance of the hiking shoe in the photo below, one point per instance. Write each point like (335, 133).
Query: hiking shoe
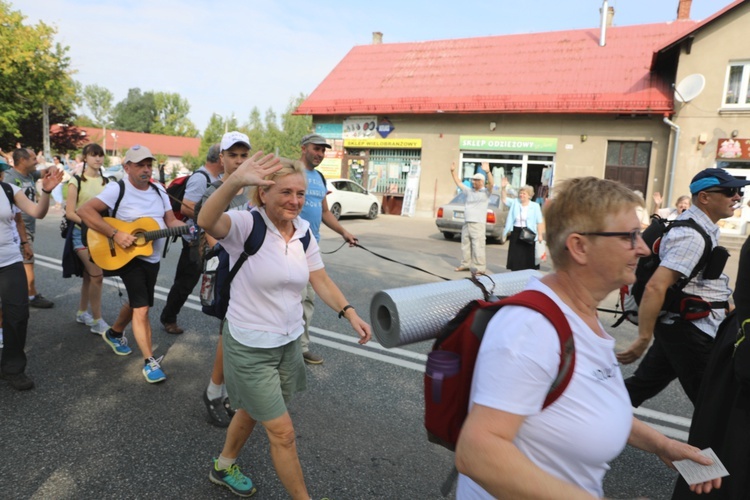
(41, 302)
(118, 344)
(85, 318)
(153, 372)
(228, 407)
(19, 381)
(217, 414)
(312, 358)
(172, 328)
(233, 479)
(99, 326)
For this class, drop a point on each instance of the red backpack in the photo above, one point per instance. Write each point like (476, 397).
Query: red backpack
(176, 192)
(450, 365)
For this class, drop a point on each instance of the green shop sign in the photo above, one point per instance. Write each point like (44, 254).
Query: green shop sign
(526, 144)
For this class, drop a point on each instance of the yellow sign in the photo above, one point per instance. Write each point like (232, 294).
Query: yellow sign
(331, 168)
(383, 143)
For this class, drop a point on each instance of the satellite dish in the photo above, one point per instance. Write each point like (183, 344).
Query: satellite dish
(689, 88)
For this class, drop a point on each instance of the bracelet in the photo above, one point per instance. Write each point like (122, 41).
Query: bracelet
(348, 306)
(113, 234)
(24, 243)
(46, 192)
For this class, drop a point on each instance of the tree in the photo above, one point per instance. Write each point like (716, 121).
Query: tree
(99, 101)
(33, 71)
(171, 115)
(295, 127)
(135, 113)
(215, 129)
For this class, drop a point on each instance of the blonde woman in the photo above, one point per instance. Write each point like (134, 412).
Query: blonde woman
(82, 188)
(522, 213)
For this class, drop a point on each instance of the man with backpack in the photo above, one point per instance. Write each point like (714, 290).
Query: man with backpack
(684, 328)
(189, 266)
(316, 211)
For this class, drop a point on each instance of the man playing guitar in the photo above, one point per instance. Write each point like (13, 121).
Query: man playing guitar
(140, 198)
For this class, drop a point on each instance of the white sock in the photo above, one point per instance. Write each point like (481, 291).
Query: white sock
(214, 391)
(32, 297)
(224, 462)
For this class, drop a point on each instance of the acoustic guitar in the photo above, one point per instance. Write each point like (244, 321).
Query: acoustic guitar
(110, 256)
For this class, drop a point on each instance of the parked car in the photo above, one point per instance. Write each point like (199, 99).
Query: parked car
(346, 197)
(450, 217)
(114, 173)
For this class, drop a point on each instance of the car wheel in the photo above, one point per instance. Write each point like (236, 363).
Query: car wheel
(448, 236)
(373, 211)
(336, 210)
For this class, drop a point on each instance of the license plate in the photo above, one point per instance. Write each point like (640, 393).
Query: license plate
(458, 215)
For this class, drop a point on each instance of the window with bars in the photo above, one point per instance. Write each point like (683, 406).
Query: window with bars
(389, 168)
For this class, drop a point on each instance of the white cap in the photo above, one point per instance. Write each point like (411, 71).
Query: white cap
(137, 154)
(232, 138)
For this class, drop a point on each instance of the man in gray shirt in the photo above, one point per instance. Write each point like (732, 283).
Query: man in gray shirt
(24, 175)
(473, 235)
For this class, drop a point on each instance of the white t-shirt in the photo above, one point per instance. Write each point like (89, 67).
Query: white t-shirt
(575, 437)
(9, 240)
(265, 305)
(138, 203)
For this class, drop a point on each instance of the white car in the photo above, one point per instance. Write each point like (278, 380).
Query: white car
(346, 197)
(114, 173)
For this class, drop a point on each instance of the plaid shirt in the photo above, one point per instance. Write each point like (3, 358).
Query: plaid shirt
(680, 251)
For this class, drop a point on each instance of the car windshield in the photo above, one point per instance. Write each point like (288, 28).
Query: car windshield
(460, 199)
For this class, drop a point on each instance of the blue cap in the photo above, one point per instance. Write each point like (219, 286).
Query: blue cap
(715, 177)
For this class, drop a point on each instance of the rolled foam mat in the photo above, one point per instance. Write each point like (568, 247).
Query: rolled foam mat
(412, 314)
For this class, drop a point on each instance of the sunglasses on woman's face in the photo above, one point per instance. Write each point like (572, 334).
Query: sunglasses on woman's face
(728, 192)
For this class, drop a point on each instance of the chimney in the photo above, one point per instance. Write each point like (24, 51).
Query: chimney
(683, 10)
(377, 37)
(607, 14)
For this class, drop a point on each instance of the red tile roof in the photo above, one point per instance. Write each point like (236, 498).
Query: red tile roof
(158, 144)
(553, 72)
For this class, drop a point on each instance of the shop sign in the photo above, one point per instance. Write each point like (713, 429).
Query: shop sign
(383, 143)
(330, 167)
(385, 127)
(330, 130)
(359, 126)
(733, 149)
(526, 144)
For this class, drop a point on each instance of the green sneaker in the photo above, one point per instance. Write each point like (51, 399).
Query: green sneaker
(233, 479)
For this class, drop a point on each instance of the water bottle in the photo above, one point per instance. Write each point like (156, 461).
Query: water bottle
(208, 281)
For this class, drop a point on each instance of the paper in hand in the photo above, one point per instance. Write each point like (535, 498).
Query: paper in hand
(695, 473)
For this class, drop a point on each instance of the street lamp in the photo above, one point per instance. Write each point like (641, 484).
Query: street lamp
(104, 135)
(114, 150)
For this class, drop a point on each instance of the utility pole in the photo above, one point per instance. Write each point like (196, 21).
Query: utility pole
(45, 131)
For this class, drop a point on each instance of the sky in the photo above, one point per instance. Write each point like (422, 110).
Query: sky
(228, 56)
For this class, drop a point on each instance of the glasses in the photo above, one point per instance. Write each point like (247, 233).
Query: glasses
(633, 235)
(728, 192)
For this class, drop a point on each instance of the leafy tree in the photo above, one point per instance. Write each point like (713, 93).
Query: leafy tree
(33, 71)
(84, 121)
(172, 115)
(215, 129)
(99, 101)
(191, 162)
(135, 113)
(295, 127)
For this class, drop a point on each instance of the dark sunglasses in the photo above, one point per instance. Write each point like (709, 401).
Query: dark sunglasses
(633, 235)
(728, 192)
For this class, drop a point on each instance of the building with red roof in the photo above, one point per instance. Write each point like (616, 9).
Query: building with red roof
(538, 107)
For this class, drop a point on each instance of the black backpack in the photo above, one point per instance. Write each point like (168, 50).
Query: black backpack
(689, 306)
(8, 192)
(215, 283)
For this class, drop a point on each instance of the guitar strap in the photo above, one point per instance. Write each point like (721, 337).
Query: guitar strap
(121, 183)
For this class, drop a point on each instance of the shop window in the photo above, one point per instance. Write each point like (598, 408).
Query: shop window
(627, 162)
(736, 93)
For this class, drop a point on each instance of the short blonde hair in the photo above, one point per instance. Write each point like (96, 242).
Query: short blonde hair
(581, 205)
(529, 190)
(289, 168)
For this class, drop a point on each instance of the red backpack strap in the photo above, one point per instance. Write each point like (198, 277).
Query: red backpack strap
(544, 305)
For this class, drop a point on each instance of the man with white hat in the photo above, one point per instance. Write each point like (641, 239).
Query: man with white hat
(473, 237)
(133, 197)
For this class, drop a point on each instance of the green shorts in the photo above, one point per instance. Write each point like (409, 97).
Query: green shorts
(262, 381)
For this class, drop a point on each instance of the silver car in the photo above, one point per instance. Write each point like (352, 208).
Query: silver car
(450, 218)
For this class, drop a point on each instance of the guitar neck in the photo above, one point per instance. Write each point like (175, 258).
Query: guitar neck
(165, 233)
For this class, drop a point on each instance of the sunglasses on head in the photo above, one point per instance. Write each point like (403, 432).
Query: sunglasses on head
(728, 192)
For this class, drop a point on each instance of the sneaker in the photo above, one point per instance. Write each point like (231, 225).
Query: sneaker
(19, 381)
(118, 344)
(153, 372)
(85, 318)
(217, 414)
(312, 358)
(41, 302)
(99, 326)
(233, 479)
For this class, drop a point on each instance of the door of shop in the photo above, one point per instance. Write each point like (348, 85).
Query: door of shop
(627, 162)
